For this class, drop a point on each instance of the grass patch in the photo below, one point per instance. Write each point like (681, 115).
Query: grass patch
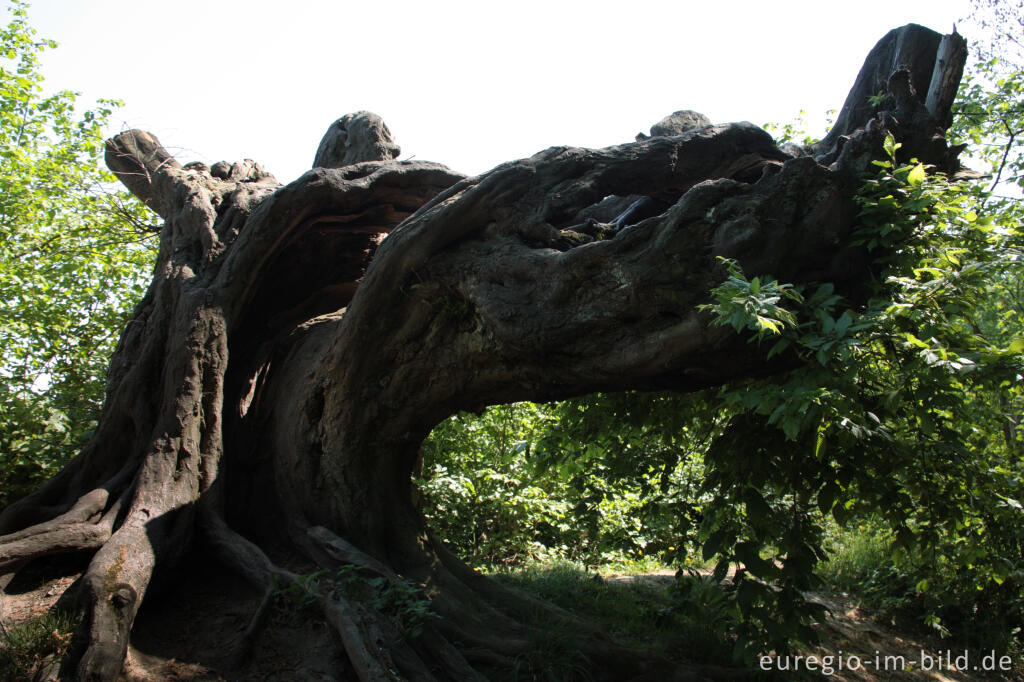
(856, 558)
(641, 566)
(25, 648)
(682, 619)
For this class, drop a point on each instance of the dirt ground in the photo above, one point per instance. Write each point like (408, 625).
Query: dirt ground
(877, 651)
(885, 653)
(192, 632)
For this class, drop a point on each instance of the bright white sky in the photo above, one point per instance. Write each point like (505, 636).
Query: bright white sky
(468, 84)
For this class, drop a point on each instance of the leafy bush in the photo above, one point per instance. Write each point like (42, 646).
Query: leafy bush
(595, 480)
(925, 589)
(74, 257)
(900, 408)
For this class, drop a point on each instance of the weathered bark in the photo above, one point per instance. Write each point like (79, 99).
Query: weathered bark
(931, 65)
(277, 380)
(675, 124)
(354, 138)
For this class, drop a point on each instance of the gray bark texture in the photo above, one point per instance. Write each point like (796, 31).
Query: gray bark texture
(354, 138)
(299, 342)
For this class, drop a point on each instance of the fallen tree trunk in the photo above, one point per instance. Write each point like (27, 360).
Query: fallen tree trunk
(298, 343)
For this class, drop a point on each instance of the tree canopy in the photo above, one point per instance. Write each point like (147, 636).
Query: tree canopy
(74, 256)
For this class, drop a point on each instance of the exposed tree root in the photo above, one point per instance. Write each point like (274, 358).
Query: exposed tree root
(244, 646)
(344, 552)
(80, 529)
(482, 624)
(64, 539)
(373, 652)
(376, 647)
(252, 564)
(86, 508)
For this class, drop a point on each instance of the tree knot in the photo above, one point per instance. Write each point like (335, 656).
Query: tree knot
(124, 596)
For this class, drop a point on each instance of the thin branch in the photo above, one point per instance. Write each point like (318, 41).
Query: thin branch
(1006, 155)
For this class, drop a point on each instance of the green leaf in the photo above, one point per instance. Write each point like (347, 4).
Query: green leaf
(721, 570)
(890, 146)
(917, 175)
(756, 505)
(767, 324)
(778, 347)
(715, 543)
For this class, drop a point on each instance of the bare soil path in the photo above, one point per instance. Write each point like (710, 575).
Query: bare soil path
(871, 651)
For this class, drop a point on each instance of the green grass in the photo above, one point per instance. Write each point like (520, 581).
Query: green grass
(639, 566)
(25, 647)
(678, 621)
(855, 556)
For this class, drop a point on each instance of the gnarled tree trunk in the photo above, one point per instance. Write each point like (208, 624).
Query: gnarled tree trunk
(277, 380)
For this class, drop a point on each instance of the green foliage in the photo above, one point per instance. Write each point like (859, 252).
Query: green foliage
(893, 409)
(632, 466)
(796, 130)
(991, 121)
(956, 478)
(752, 304)
(403, 601)
(923, 589)
(74, 256)
(26, 647)
(399, 599)
(480, 493)
(599, 479)
(300, 594)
